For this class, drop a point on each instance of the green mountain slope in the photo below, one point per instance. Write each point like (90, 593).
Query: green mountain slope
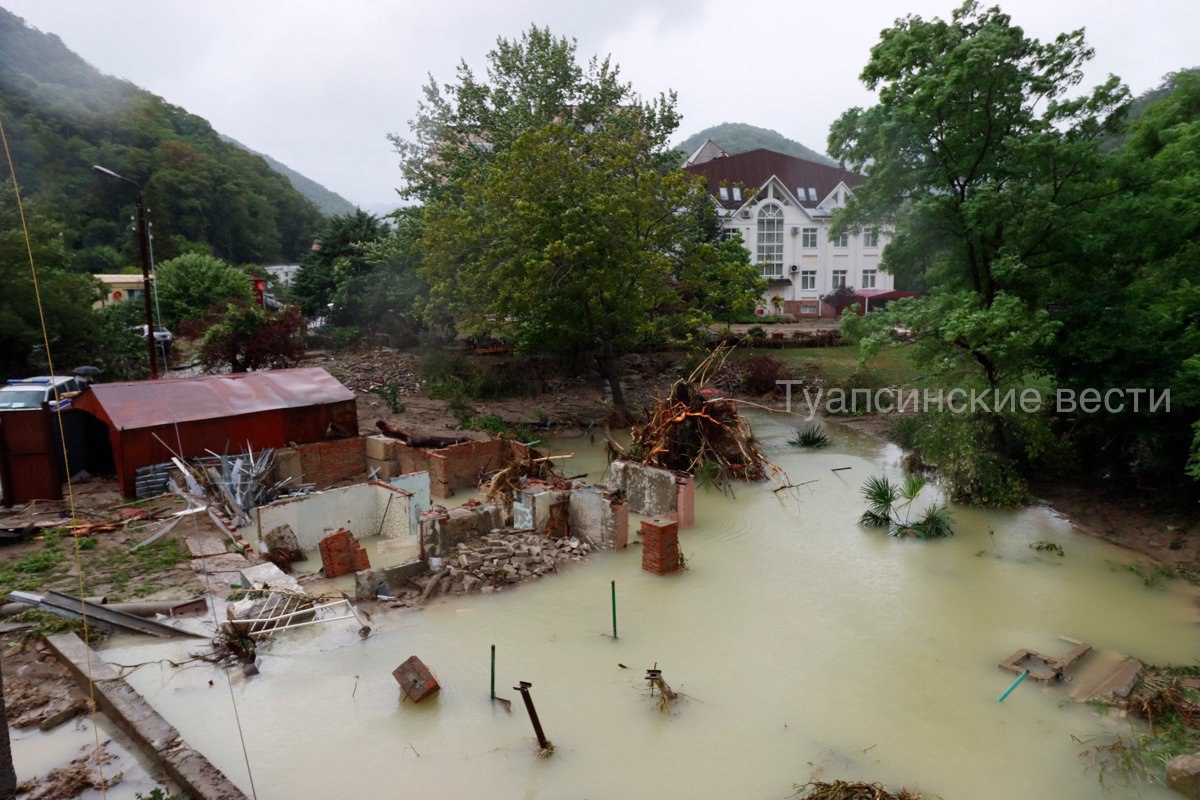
(738, 137)
(61, 116)
(329, 202)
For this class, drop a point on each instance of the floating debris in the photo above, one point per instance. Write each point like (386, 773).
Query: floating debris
(415, 679)
(841, 790)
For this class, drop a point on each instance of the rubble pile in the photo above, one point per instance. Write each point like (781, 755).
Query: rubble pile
(500, 558)
(371, 370)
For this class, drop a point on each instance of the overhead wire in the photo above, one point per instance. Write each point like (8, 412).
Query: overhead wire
(62, 435)
(74, 515)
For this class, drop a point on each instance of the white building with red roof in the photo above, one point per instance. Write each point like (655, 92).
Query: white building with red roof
(781, 206)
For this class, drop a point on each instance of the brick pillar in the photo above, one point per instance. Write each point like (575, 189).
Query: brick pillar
(685, 500)
(341, 554)
(660, 545)
(620, 512)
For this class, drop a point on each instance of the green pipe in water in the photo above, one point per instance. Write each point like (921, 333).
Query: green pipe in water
(1012, 686)
(614, 605)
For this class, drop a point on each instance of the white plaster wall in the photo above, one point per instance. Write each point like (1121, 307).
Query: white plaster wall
(417, 485)
(360, 509)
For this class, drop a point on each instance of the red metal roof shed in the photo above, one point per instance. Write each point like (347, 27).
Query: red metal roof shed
(148, 421)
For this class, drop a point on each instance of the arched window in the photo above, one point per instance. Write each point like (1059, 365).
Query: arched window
(770, 241)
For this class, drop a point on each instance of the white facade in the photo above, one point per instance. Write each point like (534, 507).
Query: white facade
(790, 243)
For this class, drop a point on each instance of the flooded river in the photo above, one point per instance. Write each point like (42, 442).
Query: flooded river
(805, 646)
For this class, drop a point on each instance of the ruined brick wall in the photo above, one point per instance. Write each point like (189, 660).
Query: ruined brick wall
(341, 554)
(326, 463)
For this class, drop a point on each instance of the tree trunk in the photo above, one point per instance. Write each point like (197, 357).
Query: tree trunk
(8, 774)
(608, 368)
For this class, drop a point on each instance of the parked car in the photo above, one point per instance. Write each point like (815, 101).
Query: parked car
(162, 337)
(32, 392)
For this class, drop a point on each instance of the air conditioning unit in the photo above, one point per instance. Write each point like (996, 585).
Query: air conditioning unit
(793, 269)
(795, 230)
(746, 213)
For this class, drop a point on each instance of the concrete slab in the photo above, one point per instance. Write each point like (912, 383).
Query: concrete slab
(195, 774)
(205, 546)
(267, 574)
(649, 491)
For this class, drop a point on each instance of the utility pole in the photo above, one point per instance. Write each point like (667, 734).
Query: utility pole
(143, 234)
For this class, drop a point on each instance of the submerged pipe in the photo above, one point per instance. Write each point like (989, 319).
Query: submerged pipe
(1012, 686)
(533, 717)
(614, 606)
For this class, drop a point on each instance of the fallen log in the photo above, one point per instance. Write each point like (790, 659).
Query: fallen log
(418, 440)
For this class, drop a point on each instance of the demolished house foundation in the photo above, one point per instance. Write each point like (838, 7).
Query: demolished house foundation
(364, 509)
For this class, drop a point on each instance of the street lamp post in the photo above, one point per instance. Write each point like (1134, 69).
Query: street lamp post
(144, 249)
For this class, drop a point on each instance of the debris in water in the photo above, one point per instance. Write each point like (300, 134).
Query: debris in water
(666, 695)
(415, 679)
(841, 790)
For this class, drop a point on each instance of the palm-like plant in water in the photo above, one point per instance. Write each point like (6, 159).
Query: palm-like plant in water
(886, 501)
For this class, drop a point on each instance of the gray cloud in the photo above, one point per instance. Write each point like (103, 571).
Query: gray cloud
(320, 85)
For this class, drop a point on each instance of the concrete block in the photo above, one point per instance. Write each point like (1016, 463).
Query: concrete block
(382, 469)
(367, 581)
(1183, 775)
(267, 574)
(649, 490)
(287, 465)
(382, 448)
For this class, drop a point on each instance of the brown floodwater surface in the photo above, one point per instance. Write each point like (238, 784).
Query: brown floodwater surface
(805, 647)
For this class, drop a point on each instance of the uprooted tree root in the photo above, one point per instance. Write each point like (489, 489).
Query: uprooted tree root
(519, 468)
(686, 432)
(841, 790)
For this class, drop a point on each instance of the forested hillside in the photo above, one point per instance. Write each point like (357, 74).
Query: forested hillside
(738, 137)
(61, 116)
(327, 201)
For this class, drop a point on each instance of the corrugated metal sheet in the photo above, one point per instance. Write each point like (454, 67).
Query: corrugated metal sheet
(148, 404)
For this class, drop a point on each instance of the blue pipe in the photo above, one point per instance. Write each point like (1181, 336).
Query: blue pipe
(1012, 686)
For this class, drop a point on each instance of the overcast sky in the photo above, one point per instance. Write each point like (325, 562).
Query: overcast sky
(319, 85)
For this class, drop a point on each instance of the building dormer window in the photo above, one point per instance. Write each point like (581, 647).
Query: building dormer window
(770, 241)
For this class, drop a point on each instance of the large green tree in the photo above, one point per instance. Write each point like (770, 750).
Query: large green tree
(61, 299)
(986, 161)
(575, 243)
(533, 81)
(1130, 305)
(191, 284)
(554, 212)
(336, 258)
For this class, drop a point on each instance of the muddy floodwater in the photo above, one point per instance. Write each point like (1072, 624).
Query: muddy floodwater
(806, 647)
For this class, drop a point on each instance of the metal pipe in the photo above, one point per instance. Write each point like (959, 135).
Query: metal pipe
(533, 717)
(1012, 686)
(614, 608)
(493, 672)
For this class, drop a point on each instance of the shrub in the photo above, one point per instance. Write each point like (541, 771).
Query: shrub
(758, 374)
(811, 436)
(886, 501)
